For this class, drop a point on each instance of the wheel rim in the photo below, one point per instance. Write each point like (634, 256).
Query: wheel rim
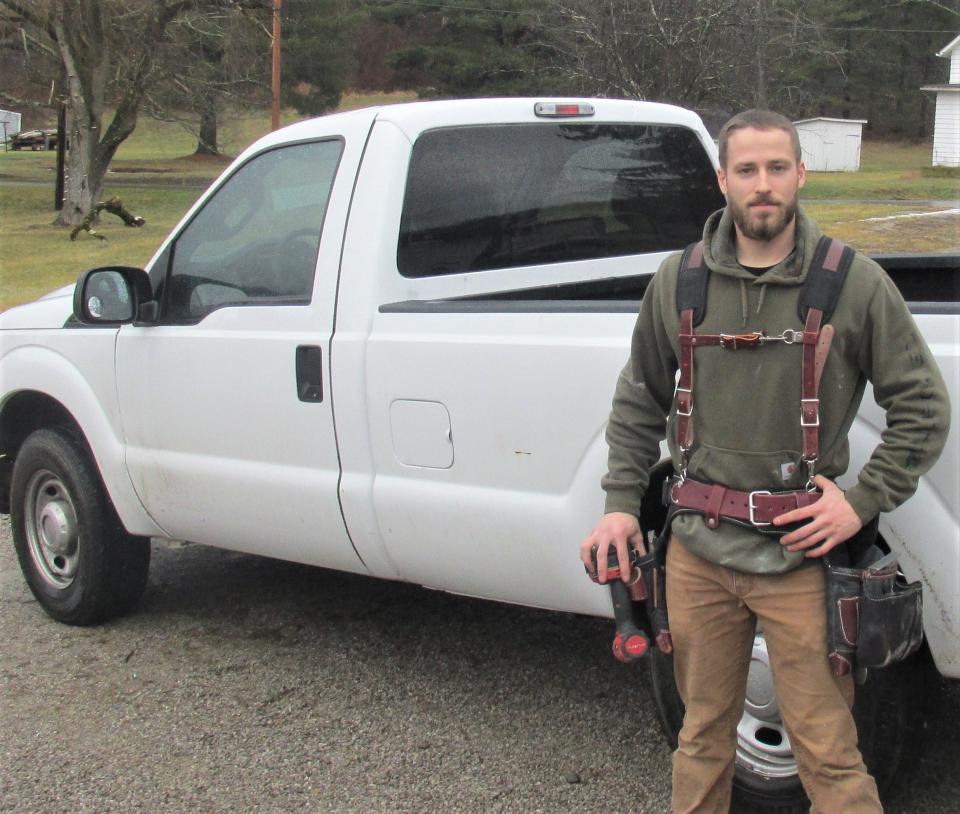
(52, 530)
(763, 745)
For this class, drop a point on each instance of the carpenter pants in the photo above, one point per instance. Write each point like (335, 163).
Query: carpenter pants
(713, 612)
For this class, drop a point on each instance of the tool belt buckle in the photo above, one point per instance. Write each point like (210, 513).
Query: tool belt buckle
(751, 502)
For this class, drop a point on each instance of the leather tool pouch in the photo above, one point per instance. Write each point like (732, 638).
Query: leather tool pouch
(874, 616)
(653, 570)
(654, 578)
(891, 615)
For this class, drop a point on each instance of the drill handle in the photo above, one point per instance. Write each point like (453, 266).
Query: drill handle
(630, 643)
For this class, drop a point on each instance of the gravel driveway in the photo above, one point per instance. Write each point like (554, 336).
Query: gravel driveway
(250, 685)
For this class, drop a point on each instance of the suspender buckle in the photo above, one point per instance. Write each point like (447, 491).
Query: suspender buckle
(737, 341)
(813, 409)
(751, 502)
(684, 399)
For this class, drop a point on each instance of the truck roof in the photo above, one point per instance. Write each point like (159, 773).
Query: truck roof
(415, 117)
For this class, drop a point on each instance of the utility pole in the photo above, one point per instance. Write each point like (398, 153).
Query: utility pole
(275, 79)
(61, 156)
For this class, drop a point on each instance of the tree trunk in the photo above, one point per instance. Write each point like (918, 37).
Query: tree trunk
(85, 69)
(77, 29)
(207, 143)
(760, 96)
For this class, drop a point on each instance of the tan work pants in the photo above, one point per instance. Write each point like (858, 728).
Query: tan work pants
(713, 612)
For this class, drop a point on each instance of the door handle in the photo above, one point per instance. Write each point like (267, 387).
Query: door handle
(309, 363)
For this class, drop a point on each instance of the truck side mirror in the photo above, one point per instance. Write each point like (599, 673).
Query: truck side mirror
(112, 295)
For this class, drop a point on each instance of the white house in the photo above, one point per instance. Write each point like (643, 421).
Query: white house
(830, 145)
(946, 124)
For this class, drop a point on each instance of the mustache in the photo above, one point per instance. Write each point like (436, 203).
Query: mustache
(763, 199)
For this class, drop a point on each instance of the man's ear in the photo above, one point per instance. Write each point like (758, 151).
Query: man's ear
(722, 179)
(801, 174)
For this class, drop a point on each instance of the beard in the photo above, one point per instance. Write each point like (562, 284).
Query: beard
(762, 227)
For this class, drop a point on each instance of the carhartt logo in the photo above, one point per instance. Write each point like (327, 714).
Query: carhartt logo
(786, 471)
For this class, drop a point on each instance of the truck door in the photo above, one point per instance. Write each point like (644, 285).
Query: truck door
(226, 402)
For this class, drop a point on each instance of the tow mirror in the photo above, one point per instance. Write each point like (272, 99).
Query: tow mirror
(113, 295)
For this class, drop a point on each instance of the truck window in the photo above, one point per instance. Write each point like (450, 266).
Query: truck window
(255, 241)
(492, 197)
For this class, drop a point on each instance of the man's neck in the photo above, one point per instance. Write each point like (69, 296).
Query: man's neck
(766, 253)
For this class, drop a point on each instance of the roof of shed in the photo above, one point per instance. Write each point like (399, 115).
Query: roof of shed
(828, 119)
(945, 52)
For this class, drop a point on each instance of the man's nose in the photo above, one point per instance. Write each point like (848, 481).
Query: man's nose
(763, 181)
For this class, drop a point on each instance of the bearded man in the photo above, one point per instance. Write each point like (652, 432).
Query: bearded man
(743, 433)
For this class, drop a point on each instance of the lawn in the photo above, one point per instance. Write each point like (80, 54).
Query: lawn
(888, 171)
(882, 228)
(36, 257)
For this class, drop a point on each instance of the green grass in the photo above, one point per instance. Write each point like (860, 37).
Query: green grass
(36, 257)
(888, 171)
(878, 228)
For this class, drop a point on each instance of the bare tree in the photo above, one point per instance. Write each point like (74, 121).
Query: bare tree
(107, 52)
(672, 50)
(699, 53)
(216, 58)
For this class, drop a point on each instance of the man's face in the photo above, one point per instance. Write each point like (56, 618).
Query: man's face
(761, 180)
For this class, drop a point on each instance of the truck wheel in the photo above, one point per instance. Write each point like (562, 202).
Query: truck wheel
(886, 709)
(76, 557)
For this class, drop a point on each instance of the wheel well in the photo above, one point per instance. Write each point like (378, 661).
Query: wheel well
(24, 413)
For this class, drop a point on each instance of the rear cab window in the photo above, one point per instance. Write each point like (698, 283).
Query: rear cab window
(498, 196)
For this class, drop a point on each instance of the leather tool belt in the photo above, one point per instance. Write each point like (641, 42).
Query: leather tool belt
(757, 508)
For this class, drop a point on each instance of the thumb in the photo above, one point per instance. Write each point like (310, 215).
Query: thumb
(825, 484)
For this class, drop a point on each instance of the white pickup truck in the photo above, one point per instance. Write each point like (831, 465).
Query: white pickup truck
(385, 342)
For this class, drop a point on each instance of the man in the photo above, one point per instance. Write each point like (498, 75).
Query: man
(724, 575)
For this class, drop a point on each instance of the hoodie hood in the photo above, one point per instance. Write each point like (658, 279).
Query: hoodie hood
(720, 251)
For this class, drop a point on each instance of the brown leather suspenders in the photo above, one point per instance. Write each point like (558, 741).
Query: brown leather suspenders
(818, 298)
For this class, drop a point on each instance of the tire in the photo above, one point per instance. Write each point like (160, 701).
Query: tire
(887, 708)
(76, 557)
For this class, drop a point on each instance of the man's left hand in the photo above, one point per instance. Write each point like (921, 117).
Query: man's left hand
(832, 520)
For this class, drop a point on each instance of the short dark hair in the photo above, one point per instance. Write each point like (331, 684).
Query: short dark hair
(758, 119)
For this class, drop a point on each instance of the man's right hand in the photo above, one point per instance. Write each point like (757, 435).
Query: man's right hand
(615, 530)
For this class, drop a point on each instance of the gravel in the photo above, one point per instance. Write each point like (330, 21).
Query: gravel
(243, 684)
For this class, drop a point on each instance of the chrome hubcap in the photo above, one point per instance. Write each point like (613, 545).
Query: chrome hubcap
(52, 529)
(762, 742)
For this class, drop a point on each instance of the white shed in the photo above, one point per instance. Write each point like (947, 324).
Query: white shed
(946, 124)
(830, 145)
(9, 124)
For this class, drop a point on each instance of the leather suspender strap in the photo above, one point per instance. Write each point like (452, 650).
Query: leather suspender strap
(691, 301)
(825, 279)
(683, 396)
(809, 400)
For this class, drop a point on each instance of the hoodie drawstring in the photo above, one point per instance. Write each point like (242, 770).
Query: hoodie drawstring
(744, 307)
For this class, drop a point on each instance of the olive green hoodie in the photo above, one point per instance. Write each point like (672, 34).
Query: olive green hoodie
(746, 415)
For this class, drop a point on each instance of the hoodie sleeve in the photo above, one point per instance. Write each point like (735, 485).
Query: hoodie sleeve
(643, 398)
(906, 384)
